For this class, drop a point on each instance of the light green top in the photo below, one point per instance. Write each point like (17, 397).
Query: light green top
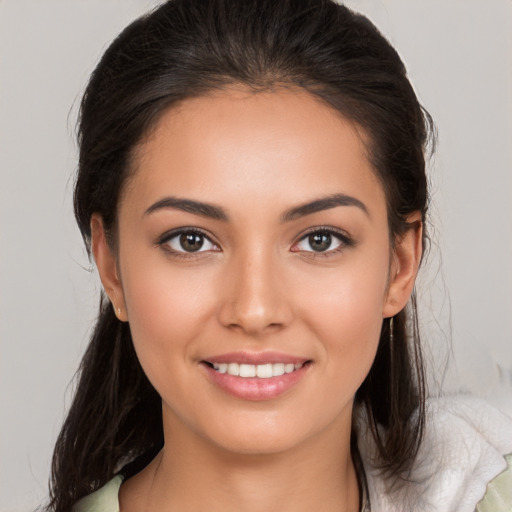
(498, 497)
(105, 499)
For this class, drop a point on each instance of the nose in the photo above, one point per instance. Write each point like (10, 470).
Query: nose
(254, 299)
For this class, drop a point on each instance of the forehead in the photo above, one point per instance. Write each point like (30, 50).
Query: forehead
(284, 144)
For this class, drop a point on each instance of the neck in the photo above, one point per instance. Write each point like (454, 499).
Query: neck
(192, 474)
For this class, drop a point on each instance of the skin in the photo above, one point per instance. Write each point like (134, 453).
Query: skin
(259, 286)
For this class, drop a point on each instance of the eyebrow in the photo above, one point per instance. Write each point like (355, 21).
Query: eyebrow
(189, 206)
(323, 203)
(218, 213)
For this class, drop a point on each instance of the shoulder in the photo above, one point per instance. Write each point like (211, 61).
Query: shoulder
(463, 450)
(105, 499)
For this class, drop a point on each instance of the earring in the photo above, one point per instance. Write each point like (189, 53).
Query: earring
(391, 343)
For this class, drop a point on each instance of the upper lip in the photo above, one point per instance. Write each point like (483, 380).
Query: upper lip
(256, 358)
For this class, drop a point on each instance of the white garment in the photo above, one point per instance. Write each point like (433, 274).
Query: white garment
(463, 449)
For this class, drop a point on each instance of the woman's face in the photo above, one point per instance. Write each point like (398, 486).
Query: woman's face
(253, 238)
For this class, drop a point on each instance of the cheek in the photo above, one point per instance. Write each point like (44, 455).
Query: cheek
(167, 310)
(349, 297)
(346, 314)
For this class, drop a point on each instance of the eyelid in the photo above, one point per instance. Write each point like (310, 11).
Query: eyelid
(163, 240)
(345, 239)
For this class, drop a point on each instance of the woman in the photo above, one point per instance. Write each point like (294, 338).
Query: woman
(252, 188)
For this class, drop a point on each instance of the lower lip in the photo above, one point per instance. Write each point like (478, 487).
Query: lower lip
(249, 388)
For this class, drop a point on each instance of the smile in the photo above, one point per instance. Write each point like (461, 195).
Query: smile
(260, 371)
(263, 376)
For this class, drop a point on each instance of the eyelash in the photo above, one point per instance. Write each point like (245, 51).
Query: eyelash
(164, 240)
(345, 241)
(342, 237)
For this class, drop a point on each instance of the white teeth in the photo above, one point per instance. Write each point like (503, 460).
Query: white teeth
(277, 369)
(262, 371)
(234, 369)
(247, 370)
(288, 368)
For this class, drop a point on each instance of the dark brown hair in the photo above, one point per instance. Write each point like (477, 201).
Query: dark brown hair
(186, 48)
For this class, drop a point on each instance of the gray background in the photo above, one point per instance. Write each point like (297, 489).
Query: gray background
(458, 53)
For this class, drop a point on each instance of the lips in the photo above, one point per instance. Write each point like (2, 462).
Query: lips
(262, 376)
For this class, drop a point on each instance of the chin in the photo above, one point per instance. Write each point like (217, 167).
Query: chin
(265, 433)
(258, 443)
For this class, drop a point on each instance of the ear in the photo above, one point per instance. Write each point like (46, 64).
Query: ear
(405, 263)
(107, 267)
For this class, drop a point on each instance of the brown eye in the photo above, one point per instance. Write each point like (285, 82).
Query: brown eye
(191, 242)
(188, 242)
(320, 242)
